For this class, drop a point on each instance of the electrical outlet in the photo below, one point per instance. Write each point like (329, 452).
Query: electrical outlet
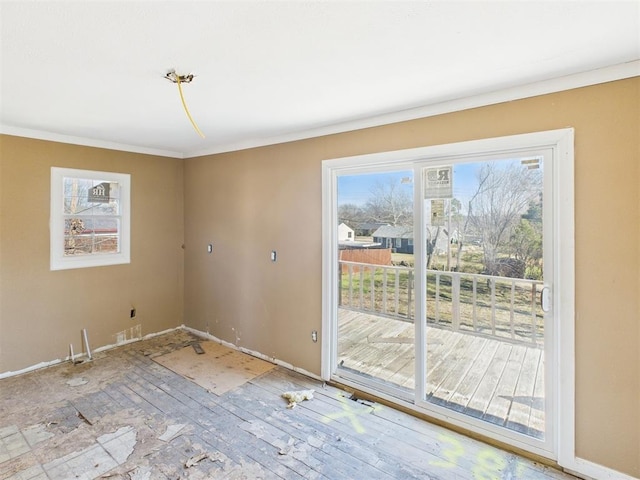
(210, 248)
(314, 336)
(273, 255)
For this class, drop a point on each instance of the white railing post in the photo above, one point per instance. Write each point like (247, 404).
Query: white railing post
(511, 313)
(361, 287)
(437, 302)
(409, 280)
(397, 292)
(350, 270)
(474, 297)
(493, 306)
(339, 283)
(455, 301)
(384, 290)
(534, 294)
(372, 269)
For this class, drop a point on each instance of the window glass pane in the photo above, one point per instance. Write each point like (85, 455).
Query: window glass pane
(110, 208)
(77, 240)
(86, 235)
(81, 195)
(106, 234)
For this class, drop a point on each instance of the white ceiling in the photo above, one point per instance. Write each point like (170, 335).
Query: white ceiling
(271, 71)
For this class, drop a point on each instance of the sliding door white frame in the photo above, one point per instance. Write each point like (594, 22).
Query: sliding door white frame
(560, 142)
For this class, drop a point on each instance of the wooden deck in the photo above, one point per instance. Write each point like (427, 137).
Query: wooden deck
(124, 416)
(497, 381)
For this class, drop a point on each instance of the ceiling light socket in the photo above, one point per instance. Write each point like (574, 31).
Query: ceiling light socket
(174, 77)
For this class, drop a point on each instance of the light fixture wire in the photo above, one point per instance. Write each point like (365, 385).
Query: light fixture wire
(184, 104)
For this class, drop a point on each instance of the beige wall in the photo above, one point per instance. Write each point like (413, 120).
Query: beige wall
(250, 202)
(43, 311)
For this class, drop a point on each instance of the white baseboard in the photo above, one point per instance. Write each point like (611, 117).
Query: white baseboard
(84, 354)
(593, 471)
(30, 369)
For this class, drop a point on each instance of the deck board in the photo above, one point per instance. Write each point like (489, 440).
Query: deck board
(496, 380)
(461, 397)
(523, 395)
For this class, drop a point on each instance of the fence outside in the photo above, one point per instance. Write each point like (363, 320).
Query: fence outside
(377, 256)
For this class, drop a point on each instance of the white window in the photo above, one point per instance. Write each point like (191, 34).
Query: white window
(410, 242)
(90, 218)
(398, 242)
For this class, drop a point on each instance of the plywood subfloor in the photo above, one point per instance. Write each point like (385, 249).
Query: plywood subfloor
(125, 417)
(218, 370)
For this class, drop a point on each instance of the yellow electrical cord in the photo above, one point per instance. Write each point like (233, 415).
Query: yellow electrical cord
(184, 104)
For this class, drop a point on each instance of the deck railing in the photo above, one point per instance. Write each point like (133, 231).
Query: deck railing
(492, 306)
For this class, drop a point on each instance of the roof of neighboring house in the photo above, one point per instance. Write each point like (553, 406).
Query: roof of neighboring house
(345, 226)
(406, 231)
(370, 225)
(390, 231)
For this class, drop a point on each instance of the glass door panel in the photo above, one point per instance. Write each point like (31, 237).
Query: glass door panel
(375, 329)
(484, 275)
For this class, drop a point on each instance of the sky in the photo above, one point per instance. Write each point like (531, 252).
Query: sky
(356, 189)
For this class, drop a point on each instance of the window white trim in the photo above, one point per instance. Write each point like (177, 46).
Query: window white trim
(59, 261)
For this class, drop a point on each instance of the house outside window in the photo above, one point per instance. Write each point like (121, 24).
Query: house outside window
(398, 242)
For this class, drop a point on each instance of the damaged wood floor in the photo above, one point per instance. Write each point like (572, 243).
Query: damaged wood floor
(124, 416)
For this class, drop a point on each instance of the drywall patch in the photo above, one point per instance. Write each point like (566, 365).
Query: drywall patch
(129, 334)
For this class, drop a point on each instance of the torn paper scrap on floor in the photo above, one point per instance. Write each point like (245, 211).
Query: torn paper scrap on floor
(297, 397)
(76, 382)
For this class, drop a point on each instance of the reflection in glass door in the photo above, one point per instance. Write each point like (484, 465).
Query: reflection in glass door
(485, 271)
(375, 329)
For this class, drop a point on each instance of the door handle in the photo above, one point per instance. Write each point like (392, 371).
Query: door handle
(545, 301)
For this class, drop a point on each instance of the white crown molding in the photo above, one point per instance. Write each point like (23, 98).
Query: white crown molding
(569, 82)
(87, 142)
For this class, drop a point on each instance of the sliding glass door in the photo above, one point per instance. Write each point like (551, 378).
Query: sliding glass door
(441, 287)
